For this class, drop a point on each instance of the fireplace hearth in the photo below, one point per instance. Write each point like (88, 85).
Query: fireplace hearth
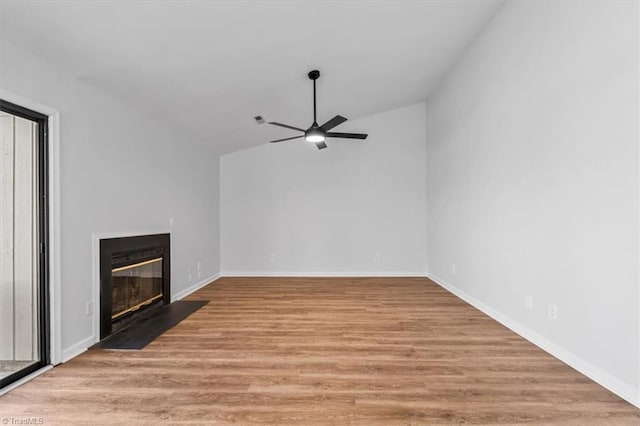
(134, 279)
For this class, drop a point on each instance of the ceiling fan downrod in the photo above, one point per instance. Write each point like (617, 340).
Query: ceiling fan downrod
(314, 75)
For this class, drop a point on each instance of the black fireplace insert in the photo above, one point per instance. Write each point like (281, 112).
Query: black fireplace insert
(135, 277)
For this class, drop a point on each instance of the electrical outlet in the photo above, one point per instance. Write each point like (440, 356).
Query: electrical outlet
(552, 311)
(88, 310)
(272, 258)
(190, 274)
(376, 258)
(199, 269)
(453, 268)
(529, 302)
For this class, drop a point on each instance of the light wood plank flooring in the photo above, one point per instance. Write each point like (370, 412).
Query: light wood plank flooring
(323, 351)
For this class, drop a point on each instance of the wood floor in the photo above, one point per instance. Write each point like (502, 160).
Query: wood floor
(323, 351)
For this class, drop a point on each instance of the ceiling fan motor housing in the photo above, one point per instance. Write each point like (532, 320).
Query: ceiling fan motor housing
(315, 134)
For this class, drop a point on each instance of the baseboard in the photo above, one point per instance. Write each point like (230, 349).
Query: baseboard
(75, 350)
(197, 286)
(321, 274)
(596, 374)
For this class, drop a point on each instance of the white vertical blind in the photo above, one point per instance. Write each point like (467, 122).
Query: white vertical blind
(18, 283)
(6, 237)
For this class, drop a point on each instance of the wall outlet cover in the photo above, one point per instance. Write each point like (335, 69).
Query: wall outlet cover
(529, 302)
(552, 311)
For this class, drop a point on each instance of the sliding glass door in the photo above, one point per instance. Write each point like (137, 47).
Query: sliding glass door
(23, 242)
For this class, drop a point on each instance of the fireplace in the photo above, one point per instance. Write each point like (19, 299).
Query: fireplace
(134, 279)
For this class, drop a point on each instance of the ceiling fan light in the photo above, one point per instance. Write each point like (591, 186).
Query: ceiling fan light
(314, 136)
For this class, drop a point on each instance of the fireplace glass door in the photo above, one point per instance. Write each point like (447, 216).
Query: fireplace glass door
(135, 286)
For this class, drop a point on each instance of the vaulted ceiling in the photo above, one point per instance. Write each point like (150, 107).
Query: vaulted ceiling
(210, 67)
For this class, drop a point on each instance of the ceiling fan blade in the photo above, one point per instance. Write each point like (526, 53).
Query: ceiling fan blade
(287, 139)
(321, 145)
(287, 126)
(347, 135)
(335, 121)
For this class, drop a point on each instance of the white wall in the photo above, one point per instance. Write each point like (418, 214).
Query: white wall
(120, 171)
(331, 211)
(533, 179)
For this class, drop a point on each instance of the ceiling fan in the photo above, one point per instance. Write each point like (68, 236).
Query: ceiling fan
(317, 134)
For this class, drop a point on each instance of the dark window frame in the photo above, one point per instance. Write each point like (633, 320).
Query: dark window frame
(42, 154)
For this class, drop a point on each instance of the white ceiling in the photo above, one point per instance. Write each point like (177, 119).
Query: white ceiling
(210, 67)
